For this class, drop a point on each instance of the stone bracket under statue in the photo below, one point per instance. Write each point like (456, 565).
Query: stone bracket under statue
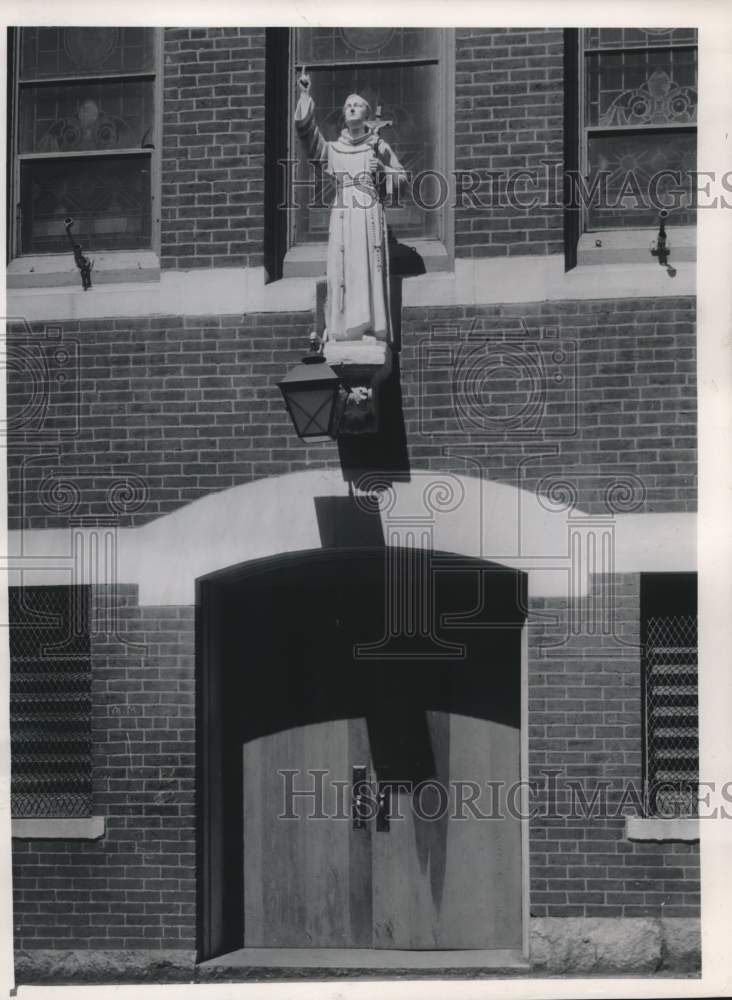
(365, 365)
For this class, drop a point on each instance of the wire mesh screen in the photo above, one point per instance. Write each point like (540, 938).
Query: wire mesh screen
(50, 701)
(672, 722)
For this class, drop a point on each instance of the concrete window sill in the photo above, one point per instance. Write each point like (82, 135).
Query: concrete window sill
(78, 828)
(641, 828)
(633, 246)
(58, 270)
(309, 259)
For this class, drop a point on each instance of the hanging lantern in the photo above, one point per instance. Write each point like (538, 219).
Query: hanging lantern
(314, 396)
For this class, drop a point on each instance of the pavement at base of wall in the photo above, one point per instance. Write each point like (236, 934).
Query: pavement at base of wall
(561, 947)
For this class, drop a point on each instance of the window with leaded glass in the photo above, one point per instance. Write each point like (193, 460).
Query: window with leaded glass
(404, 72)
(84, 137)
(638, 128)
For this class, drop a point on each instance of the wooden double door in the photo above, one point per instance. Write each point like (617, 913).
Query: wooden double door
(368, 772)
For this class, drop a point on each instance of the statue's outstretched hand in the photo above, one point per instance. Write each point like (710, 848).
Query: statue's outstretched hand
(303, 81)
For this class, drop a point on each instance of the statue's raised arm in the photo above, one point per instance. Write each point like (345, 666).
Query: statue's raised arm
(316, 146)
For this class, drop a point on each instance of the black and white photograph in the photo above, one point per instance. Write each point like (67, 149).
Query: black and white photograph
(353, 568)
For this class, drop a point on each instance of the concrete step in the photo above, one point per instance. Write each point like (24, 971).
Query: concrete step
(329, 963)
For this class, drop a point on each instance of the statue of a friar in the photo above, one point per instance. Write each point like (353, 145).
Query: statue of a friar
(357, 302)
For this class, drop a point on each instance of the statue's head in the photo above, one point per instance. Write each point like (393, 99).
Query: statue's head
(356, 110)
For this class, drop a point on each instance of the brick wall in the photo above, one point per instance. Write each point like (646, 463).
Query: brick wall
(156, 413)
(161, 411)
(508, 116)
(212, 211)
(135, 887)
(596, 398)
(585, 723)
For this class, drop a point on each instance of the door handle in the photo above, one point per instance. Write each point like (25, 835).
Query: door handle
(360, 796)
(383, 807)
(362, 801)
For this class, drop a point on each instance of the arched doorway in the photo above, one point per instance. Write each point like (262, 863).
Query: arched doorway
(317, 681)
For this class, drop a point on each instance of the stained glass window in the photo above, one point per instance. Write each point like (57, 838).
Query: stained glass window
(631, 38)
(97, 114)
(108, 199)
(640, 172)
(396, 70)
(639, 112)
(85, 135)
(353, 45)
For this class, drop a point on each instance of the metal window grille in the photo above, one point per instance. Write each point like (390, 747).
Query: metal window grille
(671, 716)
(50, 701)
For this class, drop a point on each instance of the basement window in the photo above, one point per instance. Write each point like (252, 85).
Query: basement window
(50, 702)
(670, 703)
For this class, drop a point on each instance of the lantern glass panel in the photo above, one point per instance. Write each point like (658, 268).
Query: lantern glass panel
(311, 410)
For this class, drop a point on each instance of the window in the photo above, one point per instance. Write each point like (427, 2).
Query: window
(408, 74)
(84, 137)
(50, 701)
(634, 138)
(671, 725)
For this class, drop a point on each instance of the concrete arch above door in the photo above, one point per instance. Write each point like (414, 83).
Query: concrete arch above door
(546, 536)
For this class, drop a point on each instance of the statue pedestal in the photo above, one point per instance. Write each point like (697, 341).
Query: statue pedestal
(364, 353)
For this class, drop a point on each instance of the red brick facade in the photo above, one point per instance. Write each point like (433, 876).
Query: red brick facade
(508, 116)
(190, 405)
(213, 148)
(585, 709)
(135, 888)
(163, 410)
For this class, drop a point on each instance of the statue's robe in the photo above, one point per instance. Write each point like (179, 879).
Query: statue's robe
(357, 300)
